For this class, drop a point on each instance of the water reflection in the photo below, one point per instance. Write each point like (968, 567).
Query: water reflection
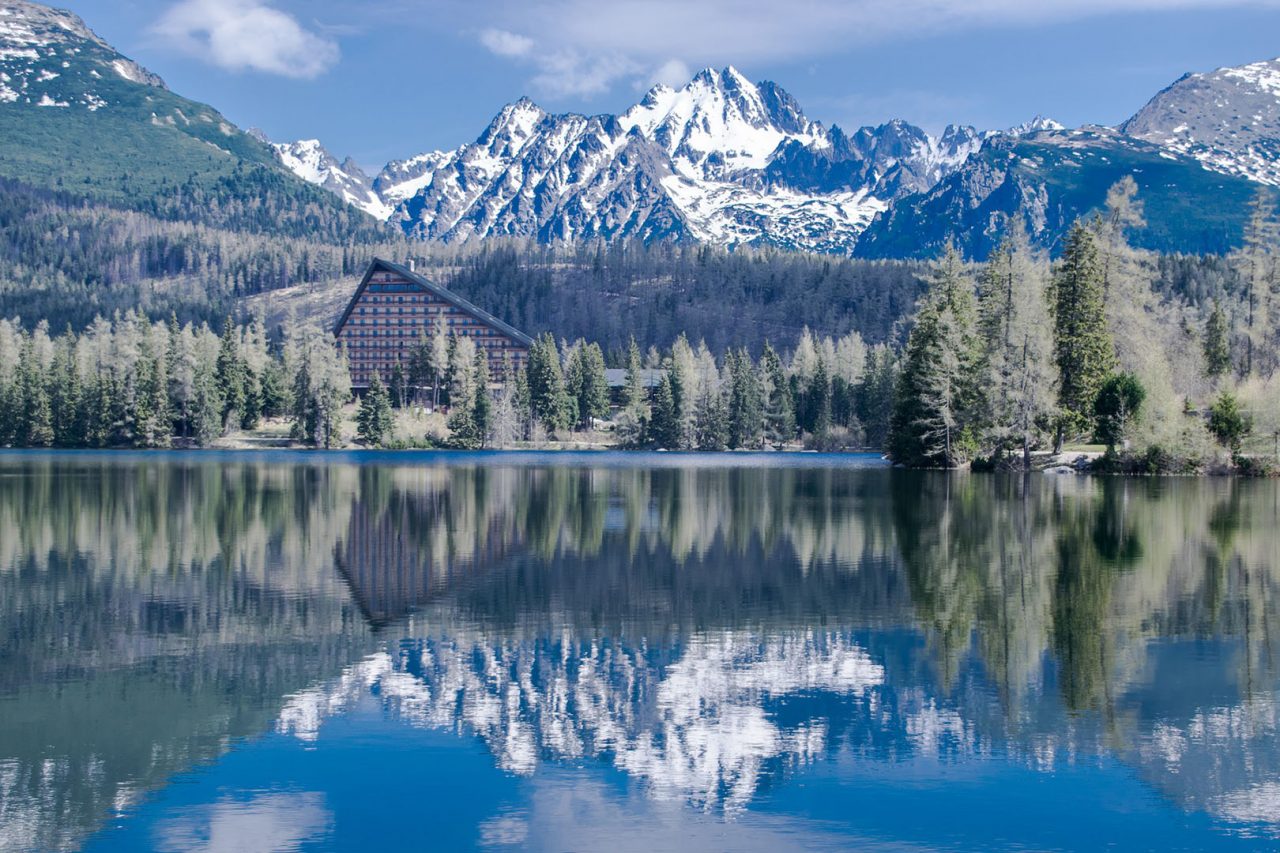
(711, 634)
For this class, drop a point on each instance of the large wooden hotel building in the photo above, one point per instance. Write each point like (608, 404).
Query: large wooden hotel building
(394, 307)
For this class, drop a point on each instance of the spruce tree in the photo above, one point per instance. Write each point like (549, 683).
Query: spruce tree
(874, 396)
(634, 395)
(37, 417)
(523, 404)
(632, 421)
(746, 403)
(1082, 348)
(231, 376)
(251, 414)
(207, 409)
(274, 392)
(398, 392)
(481, 403)
(374, 417)
(550, 400)
(1217, 343)
(780, 410)
(1228, 422)
(64, 395)
(1117, 406)
(818, 400)
(937, 383)
(710, 421)
(665, 429)
(153, 422)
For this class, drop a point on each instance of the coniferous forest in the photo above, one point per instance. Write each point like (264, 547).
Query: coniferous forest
(1166, 361)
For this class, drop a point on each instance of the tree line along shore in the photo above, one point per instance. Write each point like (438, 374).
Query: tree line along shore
(1003, 364)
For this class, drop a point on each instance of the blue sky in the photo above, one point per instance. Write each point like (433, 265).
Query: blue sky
(389, 78)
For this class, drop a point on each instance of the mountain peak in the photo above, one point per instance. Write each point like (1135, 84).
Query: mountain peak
(32, 33)
(1036, 125)
(1228, 119)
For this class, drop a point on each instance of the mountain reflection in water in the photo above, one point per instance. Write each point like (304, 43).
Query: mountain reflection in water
(712, 634)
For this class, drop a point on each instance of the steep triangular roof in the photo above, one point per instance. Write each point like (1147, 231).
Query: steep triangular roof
(378, 264)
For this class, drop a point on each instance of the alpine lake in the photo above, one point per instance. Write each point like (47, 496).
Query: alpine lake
(273, 651)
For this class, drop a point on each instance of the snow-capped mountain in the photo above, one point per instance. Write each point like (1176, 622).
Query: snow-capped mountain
(1228, 119)
(721, 159)
(731, 162)
(309, 160)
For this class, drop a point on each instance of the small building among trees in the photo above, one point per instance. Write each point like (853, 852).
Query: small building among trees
(393, 311)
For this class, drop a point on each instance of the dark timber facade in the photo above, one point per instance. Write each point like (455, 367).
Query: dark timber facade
(394, 308)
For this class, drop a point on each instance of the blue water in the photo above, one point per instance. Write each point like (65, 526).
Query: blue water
(616, 652)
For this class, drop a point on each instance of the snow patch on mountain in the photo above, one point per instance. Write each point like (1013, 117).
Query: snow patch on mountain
(309, 160)
(1228, 119)
(1039, 124)
(49, 57)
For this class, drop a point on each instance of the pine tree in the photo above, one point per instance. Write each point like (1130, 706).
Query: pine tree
(374, 419)
(1082, 348)
(1217, 344)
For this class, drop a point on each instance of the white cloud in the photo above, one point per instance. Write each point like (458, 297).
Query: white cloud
(264, 823)
(504, 43)
(584, 46)
(672, 73)
(246, 35)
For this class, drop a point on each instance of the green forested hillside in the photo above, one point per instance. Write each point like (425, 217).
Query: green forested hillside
(66, 258)
(117, 193)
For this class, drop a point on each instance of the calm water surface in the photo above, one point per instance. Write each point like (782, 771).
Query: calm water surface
(602, 652)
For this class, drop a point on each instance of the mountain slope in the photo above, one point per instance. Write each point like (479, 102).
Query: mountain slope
(1228, 119)
(1049, 179)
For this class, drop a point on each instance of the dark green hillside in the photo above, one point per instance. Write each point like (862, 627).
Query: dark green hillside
(65, 258)
(1054, 178)
(117, 193)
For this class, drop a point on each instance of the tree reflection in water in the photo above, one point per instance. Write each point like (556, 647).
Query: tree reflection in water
(709, 631)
